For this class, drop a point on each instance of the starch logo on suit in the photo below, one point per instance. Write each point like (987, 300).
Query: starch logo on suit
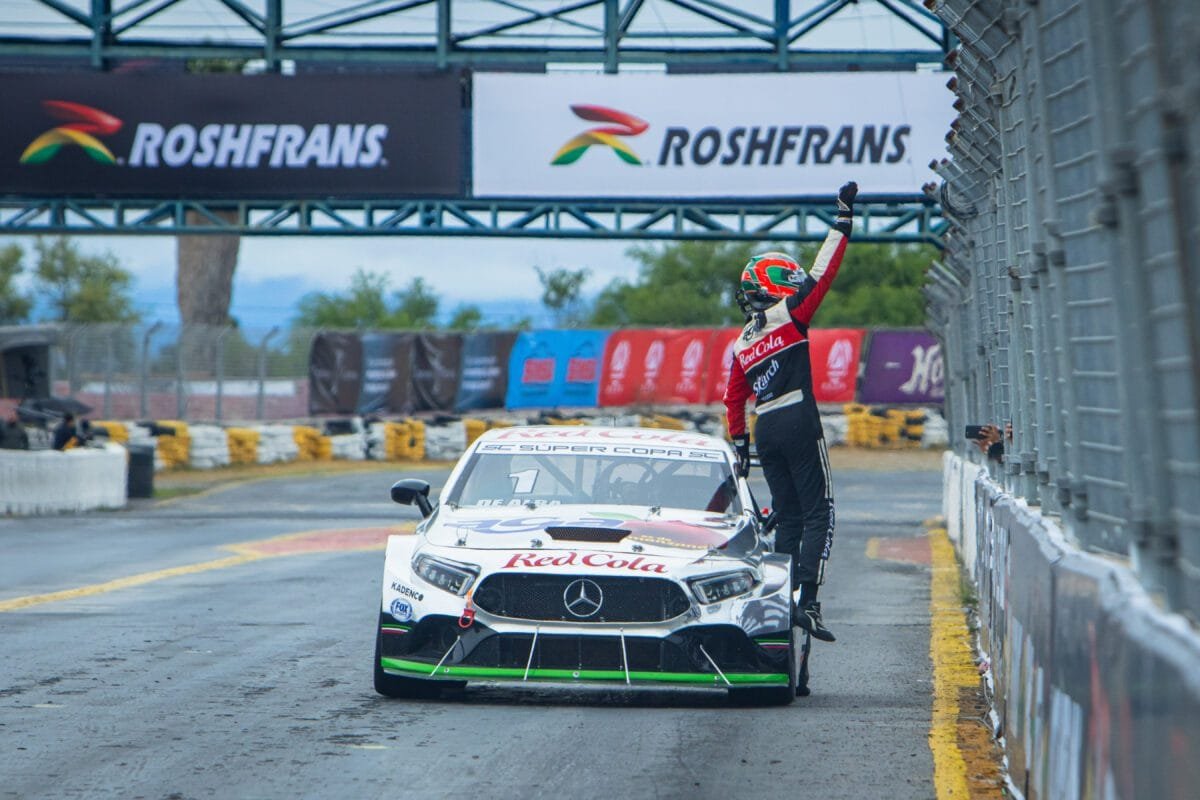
(81, 122)
(620, 124)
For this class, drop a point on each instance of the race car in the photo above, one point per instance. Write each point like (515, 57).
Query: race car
(589, 555)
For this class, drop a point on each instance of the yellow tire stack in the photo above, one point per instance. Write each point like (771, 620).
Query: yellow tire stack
(474, 428)
(174, 449)
(404, 441)
(313, 446)
(561, 421)
(662, 421)
(243, 445)
(117, 432)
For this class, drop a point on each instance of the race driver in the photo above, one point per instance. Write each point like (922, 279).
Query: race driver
(771, 362)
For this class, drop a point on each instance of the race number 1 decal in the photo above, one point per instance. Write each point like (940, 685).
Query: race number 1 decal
(524, 481)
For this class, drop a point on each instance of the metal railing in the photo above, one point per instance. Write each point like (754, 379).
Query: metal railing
(158, 371)
(1068, 294)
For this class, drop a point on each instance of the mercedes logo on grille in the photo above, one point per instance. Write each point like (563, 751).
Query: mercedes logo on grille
(583, 598)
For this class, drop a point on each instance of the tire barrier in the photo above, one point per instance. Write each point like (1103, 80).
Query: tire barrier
(1097, 693)
(52, 481)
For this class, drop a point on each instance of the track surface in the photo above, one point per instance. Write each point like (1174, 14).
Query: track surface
(253, 679)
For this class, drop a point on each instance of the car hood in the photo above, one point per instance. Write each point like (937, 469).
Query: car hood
(610, 528)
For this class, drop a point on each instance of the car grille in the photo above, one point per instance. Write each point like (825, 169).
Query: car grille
(545, 597)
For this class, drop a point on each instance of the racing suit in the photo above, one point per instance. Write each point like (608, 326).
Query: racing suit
(771, 362)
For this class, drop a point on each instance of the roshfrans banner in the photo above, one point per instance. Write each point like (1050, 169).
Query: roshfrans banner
(740, 136)
(156, 135)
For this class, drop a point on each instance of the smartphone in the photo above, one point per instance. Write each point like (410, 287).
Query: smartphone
(974, 431)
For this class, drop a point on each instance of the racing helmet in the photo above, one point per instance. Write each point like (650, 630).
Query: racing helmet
(767, 279)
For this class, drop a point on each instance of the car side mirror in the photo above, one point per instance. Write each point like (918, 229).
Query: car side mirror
(413, 491)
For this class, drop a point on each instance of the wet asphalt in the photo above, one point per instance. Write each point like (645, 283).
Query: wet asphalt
(253, 680)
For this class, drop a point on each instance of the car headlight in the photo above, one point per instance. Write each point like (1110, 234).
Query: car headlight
(715, 588)
(451, 576)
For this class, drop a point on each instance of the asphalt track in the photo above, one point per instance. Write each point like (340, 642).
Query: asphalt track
(170, 652)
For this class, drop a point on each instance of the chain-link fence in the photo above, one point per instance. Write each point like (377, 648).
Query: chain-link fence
(191, 372)
(1068, 296)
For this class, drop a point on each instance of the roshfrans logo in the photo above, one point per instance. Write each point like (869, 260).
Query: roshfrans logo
(620, 124)
(81, 122)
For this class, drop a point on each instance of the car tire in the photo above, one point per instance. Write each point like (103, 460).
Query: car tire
(408, 688)
(776, 695)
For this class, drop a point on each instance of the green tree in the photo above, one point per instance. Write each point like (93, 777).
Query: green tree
(361, 306)
(465, 318)
(681, 283)
(14, 306)
(83, 288)
(878, 285)
(693, 283)
(365, 305)
(416, 306)
(561, 293)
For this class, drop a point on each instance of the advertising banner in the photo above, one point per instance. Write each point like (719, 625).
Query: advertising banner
(903, 367)
(771, 135)
(834, 354)
(720, 361)
(555, 368)
(387, 373)
(682, 377)
(633, 366)
(435, 367)
(164, 135)
(483, 379)
(335, 372)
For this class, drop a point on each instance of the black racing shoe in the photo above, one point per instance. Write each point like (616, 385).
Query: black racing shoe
(809, 618)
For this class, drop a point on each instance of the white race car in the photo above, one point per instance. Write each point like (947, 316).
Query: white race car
(576, 555)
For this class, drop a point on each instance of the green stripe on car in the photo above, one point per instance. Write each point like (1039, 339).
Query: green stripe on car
(458, 671)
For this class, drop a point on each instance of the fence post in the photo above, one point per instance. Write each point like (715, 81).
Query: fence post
(220, 370)
(262, 369)
(146, 365)
(110, 357)
(180, 400)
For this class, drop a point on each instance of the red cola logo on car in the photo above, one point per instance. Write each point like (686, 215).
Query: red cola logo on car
(571, 559)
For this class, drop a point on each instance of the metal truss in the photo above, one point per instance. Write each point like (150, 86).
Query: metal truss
(898, 219)
(440, 34)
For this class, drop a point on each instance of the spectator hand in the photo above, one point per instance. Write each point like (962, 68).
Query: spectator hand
(741, 447)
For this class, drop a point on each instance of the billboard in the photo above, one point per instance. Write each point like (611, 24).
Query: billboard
(212, 136)
(834, 356)
(555, 368)
(745, 136)
(903, 367)
(483, 379)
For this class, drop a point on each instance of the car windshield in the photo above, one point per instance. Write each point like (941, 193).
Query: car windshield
(703, 482)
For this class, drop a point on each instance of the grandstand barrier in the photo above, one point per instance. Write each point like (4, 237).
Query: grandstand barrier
(1096, 690)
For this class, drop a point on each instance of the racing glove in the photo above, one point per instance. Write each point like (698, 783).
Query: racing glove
(845, 204)
(741, 447)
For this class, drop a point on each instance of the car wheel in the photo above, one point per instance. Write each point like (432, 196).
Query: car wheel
(777, 695)
(397, 686)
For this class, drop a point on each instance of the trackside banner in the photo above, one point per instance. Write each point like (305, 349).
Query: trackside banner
(555, 368)
(742, 136)
(157, 135)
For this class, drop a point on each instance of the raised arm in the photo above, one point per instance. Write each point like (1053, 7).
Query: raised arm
(805, 302)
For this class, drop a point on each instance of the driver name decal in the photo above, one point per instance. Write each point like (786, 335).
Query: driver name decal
(607, 560)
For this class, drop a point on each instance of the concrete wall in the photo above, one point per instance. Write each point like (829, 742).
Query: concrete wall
(49, 481)
(1097, 688)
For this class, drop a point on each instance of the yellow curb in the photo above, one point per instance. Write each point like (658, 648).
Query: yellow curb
(953, 669)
